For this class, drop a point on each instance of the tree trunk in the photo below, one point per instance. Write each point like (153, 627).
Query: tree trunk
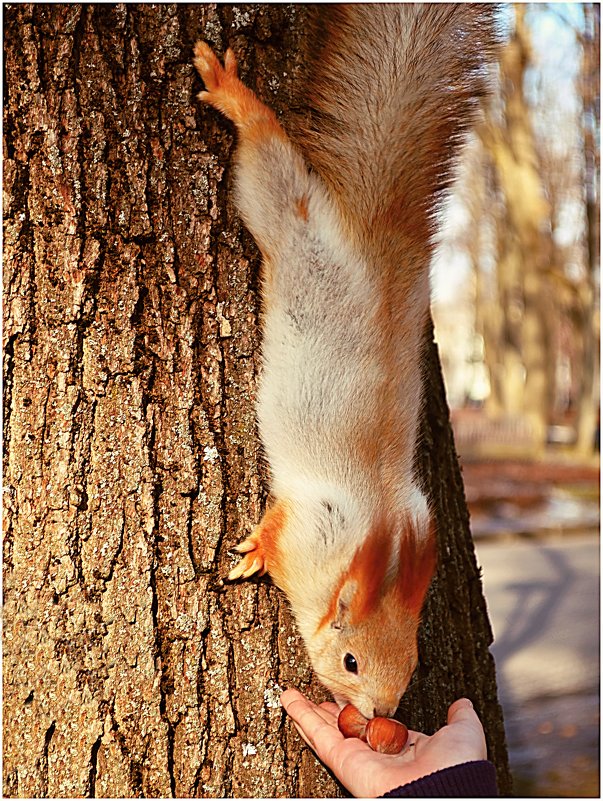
(587, 324)
(132, 459)
(453, 645)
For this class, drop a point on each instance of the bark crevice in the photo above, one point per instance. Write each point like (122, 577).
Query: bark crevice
(132, 459)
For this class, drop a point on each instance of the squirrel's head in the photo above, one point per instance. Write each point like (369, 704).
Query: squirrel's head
(365, 648)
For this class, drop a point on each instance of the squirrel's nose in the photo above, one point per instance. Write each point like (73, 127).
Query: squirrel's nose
(384, 711)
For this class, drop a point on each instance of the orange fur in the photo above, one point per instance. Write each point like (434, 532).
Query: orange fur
(368, 569)
(271, 527)
(346, 300)
(329, 615)
(229, 95)
(302, 208)
(367, 573)
(418, 560)
(261, 548)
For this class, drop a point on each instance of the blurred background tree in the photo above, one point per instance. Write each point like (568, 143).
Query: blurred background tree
(525, 236)
(517, 320)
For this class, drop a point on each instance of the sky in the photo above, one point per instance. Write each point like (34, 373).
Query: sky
(556, 60)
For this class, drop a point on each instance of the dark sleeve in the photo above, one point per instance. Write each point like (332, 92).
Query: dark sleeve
(469, 780)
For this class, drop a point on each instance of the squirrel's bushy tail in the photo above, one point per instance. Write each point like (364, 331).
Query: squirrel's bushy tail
(391, 89)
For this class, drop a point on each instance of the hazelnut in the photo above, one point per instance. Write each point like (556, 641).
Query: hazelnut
(352, 723)
(386, 736)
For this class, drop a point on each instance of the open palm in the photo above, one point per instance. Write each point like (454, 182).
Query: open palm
(367, 773)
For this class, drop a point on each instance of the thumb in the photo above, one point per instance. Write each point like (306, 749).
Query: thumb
(467, 728)
(461, 710)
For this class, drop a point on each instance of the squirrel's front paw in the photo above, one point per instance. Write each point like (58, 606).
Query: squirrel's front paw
(254, 560)
(261, 548)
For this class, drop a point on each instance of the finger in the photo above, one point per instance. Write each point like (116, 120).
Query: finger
(462, 709)
(322, 736)
(301, 709)
(463, 720)
(291, 695)
(319, 733)
(325, 714)
(327, 710)
(416, 737)
(296, 704)
(291, 692)
(331, 708)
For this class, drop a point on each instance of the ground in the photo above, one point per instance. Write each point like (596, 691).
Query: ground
(536, 531)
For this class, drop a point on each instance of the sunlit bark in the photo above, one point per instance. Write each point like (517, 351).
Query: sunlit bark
(132, 459)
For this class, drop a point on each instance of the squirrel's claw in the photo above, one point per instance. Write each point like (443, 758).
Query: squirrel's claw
(254, 560)
(225, 92)
(247, 545)
(247, 567)
(209, 67)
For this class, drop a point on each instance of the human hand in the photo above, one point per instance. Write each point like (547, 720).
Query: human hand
(368, 774)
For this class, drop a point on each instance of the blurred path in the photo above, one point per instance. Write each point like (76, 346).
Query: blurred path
(531, 498)
(543, 599)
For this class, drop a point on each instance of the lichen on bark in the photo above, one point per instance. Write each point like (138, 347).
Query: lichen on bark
(132, 461)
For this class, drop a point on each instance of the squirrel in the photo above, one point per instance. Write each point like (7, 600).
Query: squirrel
(344, 218)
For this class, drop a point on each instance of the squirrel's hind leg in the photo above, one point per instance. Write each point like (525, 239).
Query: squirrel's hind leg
(273, 186)
(227, 93)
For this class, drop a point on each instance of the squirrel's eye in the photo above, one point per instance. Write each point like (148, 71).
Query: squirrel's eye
(350, 663)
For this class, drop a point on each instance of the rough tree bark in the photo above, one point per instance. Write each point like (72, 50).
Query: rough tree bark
(132, 460)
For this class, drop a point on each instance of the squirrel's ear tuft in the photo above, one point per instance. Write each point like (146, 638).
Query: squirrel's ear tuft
(368, 570)
(417, 564)
(363, 584)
